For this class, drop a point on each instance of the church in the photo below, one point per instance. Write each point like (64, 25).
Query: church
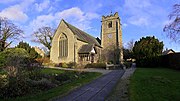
(71, 44)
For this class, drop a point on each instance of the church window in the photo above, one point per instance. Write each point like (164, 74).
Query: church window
(63, 45)
(110, 24)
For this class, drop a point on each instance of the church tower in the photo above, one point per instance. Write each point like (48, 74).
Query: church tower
(111, 39)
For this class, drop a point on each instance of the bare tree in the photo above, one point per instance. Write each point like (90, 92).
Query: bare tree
(173, 28)
(8, 31)
(44, 35)
(130, 45)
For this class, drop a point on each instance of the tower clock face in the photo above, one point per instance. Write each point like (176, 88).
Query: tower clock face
(109, 36)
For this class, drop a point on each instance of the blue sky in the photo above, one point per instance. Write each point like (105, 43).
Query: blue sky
(138, 17)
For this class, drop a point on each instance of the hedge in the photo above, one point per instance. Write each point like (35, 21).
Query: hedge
(96, 65)
(168, 61)
(171, 61)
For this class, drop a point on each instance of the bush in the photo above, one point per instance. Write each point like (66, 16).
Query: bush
(3, 80)
(17, 86)
(32, 53)
(171, 61)
(43, 60)
(43, 84)
(128, 64)
(63, 65)
(96, 65)
(149, 62)
(16, 57)
(2, 60)
(72, 64)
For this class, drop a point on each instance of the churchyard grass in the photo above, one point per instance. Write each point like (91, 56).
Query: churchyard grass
(155, 84)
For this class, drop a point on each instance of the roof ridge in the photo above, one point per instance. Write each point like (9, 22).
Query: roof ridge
(84, 39)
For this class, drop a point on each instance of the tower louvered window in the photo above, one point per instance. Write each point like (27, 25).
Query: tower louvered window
(110, 24)
(63, 45)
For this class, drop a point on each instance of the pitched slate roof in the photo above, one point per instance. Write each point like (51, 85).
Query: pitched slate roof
(167, 52)
(85, 49)
(83, 36)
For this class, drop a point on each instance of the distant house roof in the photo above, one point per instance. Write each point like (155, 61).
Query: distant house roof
(168, 52)
(86, 49)
(83, 36)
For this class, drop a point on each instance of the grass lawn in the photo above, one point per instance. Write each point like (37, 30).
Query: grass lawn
(155, 84)
(52, 71)
(60, 90)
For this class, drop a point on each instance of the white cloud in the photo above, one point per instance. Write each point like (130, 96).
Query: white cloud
(17, 12)
(14, 13)
(144, 13)
(42, 6)
(124, 24)
(43, 20)
(137, 4)
(139, 21)
(73, 15)
(77, 17)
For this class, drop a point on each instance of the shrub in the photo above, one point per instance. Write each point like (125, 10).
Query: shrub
(63, 65)
(16, 57)
(3, 80)
(149, 62)
(2, 60)
(128, 64)
(171, 61)
(17, 86)
(32, 53)
(43, 84)
(72, 64)
(43, 60)
(96, 65)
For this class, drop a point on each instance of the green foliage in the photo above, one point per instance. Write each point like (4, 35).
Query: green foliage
(96, 65)
(2, 60)
(33, 54)
(127, 64)
(17, 86)
(127, 54)
(170, 61)
(63, 65)
(146, 49)
(155, 84)
(60, 90)
(25, 85)
(72, 64)
(15, 57)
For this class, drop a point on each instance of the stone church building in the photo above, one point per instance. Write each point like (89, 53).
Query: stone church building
(71, 44)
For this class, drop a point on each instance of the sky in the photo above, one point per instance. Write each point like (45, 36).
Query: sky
(139, 18)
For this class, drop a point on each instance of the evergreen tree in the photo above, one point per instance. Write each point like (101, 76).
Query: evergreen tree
(33, 54)
(147, 49)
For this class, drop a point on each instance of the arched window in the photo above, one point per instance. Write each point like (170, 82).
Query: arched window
(110, 24)
(63, 45)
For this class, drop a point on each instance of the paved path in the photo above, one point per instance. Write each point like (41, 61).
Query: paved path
(97, 90)
(120, 91)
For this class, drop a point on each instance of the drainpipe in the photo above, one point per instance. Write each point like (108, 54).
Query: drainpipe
(75, 50)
